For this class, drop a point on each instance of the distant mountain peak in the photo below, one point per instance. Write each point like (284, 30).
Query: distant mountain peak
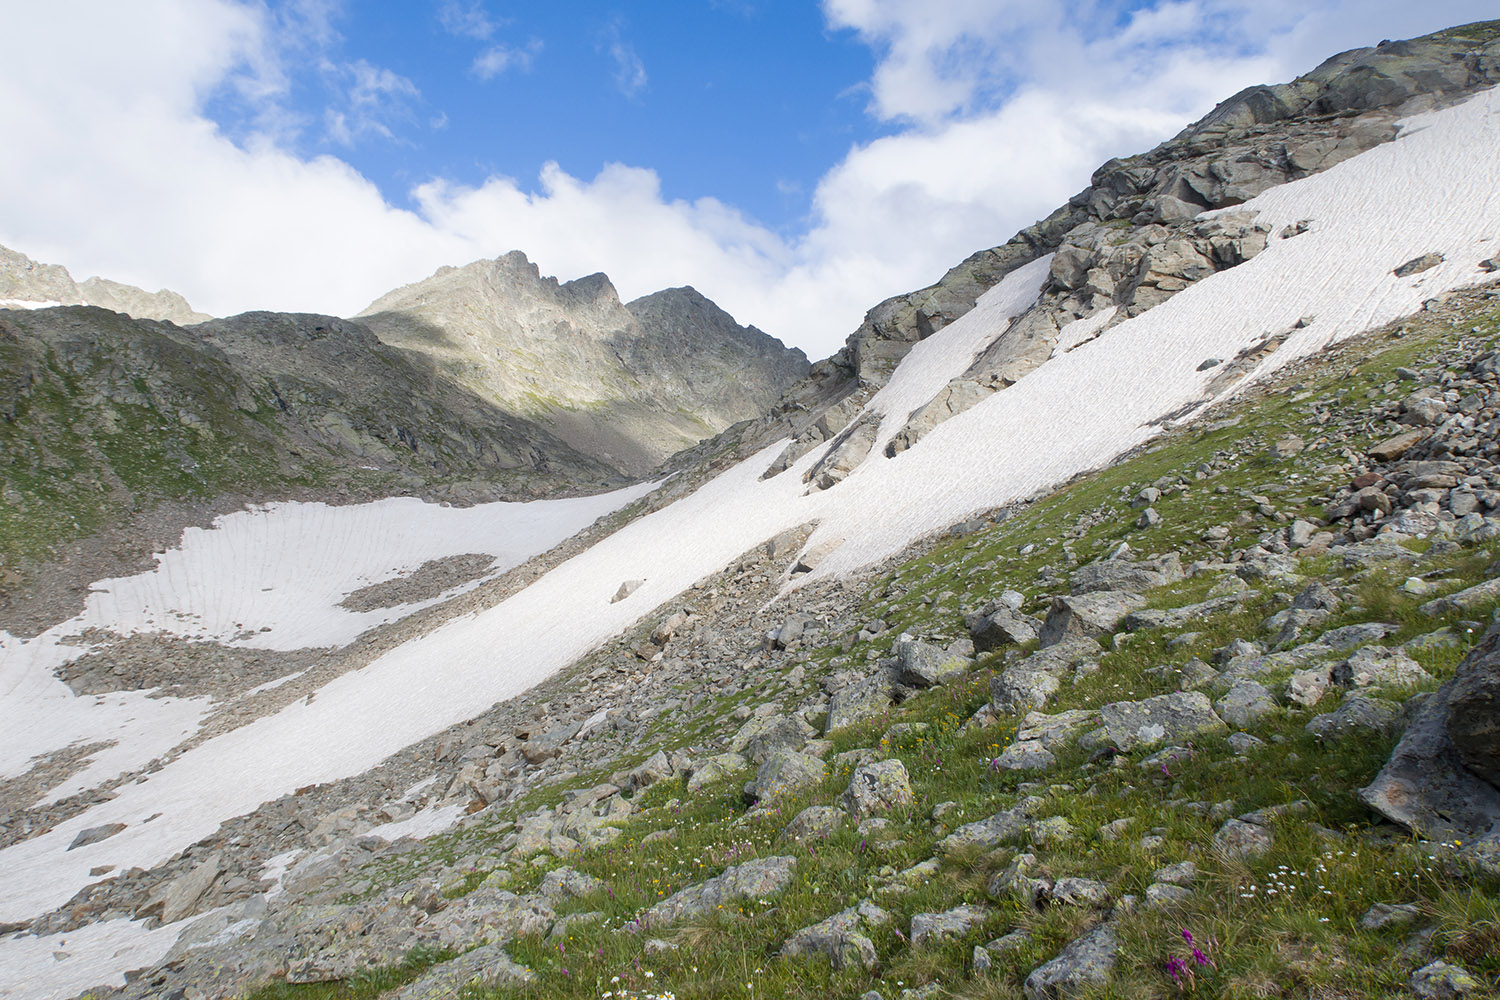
(28, 283)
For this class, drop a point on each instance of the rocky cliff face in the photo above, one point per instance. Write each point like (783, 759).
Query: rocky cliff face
(627, 383)
(1136, 236)
(25, 281)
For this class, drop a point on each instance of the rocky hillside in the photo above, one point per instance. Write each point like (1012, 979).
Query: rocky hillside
(629, 383)
(27, 284)
(1216, 720)
(104, 418)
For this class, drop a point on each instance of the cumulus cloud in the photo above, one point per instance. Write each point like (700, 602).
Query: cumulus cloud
(999, 113)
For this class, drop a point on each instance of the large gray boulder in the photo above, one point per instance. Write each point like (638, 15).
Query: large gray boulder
(761, 737)
(758, 879)
(1086, 962)
(1000, 627)
(877, 788)
(1439, 782)
(1129, 724)
(1127, 575)
(1087, 616)
(785, 773)
(843, 937)
(485, 967)
(865, 699)
(922, 664)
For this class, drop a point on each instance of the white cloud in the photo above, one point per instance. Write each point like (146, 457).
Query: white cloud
(630, 71)
(112, 168)
(498, 59)
(467, 19)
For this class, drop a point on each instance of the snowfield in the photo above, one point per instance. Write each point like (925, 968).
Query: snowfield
(1436, 188)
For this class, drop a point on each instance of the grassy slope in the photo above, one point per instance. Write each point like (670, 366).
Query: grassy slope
(1286, 924)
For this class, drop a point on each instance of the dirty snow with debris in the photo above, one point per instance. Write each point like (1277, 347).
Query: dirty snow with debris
(1432, 189)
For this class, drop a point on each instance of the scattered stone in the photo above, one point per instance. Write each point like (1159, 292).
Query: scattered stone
(94, 834)
(1087, 616)
(758, 738)
(1001, 627)
(1243, 743)
(1080, 892)
(931, 928)
(814, 823)
(993, 830)
(1390, 915)
(626, 589)
(1377, 666)
(486, 967)
(1129, 724)
(717, 768)
(842, 937)
(1245, 704)
(1441, 981)
(877, 788)
(1239, 840)
(1086, 962)
(756, 880)
(1417, 265)
(1027, 755)
(1356, 712)
(922, 665)
(785, 773)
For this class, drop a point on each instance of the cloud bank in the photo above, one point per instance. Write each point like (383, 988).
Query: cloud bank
(999, 110)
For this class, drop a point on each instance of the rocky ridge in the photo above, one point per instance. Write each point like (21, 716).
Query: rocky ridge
(628, 383)
(27, 282)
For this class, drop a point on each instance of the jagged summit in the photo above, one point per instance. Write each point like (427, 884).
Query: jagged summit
(628, 384)
(25, 283)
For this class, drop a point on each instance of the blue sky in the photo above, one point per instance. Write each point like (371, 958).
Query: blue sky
(796, 162)
(747, 102)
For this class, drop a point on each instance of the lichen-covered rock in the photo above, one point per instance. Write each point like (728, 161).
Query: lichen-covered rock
(921, 664)
(877, 788)
(485, 967)
(1086, 961)
(1238, 840)
(716, 768)
(1130, 724)
(755, 880)
(994, 830)
(1441, 981)
(1127, 575)
(785, 773)
(930, 928)
(1376, 666)
(843, 937)
(758, 738)
(1001, 627)
(1027, 755)
(1245, 704)
(1357, 712)
(1087, 616)
(814, 822)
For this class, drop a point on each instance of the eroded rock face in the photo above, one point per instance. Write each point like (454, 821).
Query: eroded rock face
(1439, 781)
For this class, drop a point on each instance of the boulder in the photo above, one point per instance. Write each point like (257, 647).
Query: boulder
(1001, 627)
(1245, 704)
(1129, 724)
(842, 937)
(1239, 840)
(922, 665)
(1021, 688)
(1377, 666)
(711, 769)
(1025, 755)
(933, 928)
(814, 823)
(1441, 981)
(484, 968)
(1431, 785)
(785, 773)
(992, 831)
(755, 880)
(877, 788)
(861, 700)
(1355, 713)
(1087, 961)
(1087, 616)
(1126, 575)
(758, 738)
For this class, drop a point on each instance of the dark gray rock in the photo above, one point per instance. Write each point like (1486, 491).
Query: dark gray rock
(1001, 627)
(843, 937)
(1126, 575)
